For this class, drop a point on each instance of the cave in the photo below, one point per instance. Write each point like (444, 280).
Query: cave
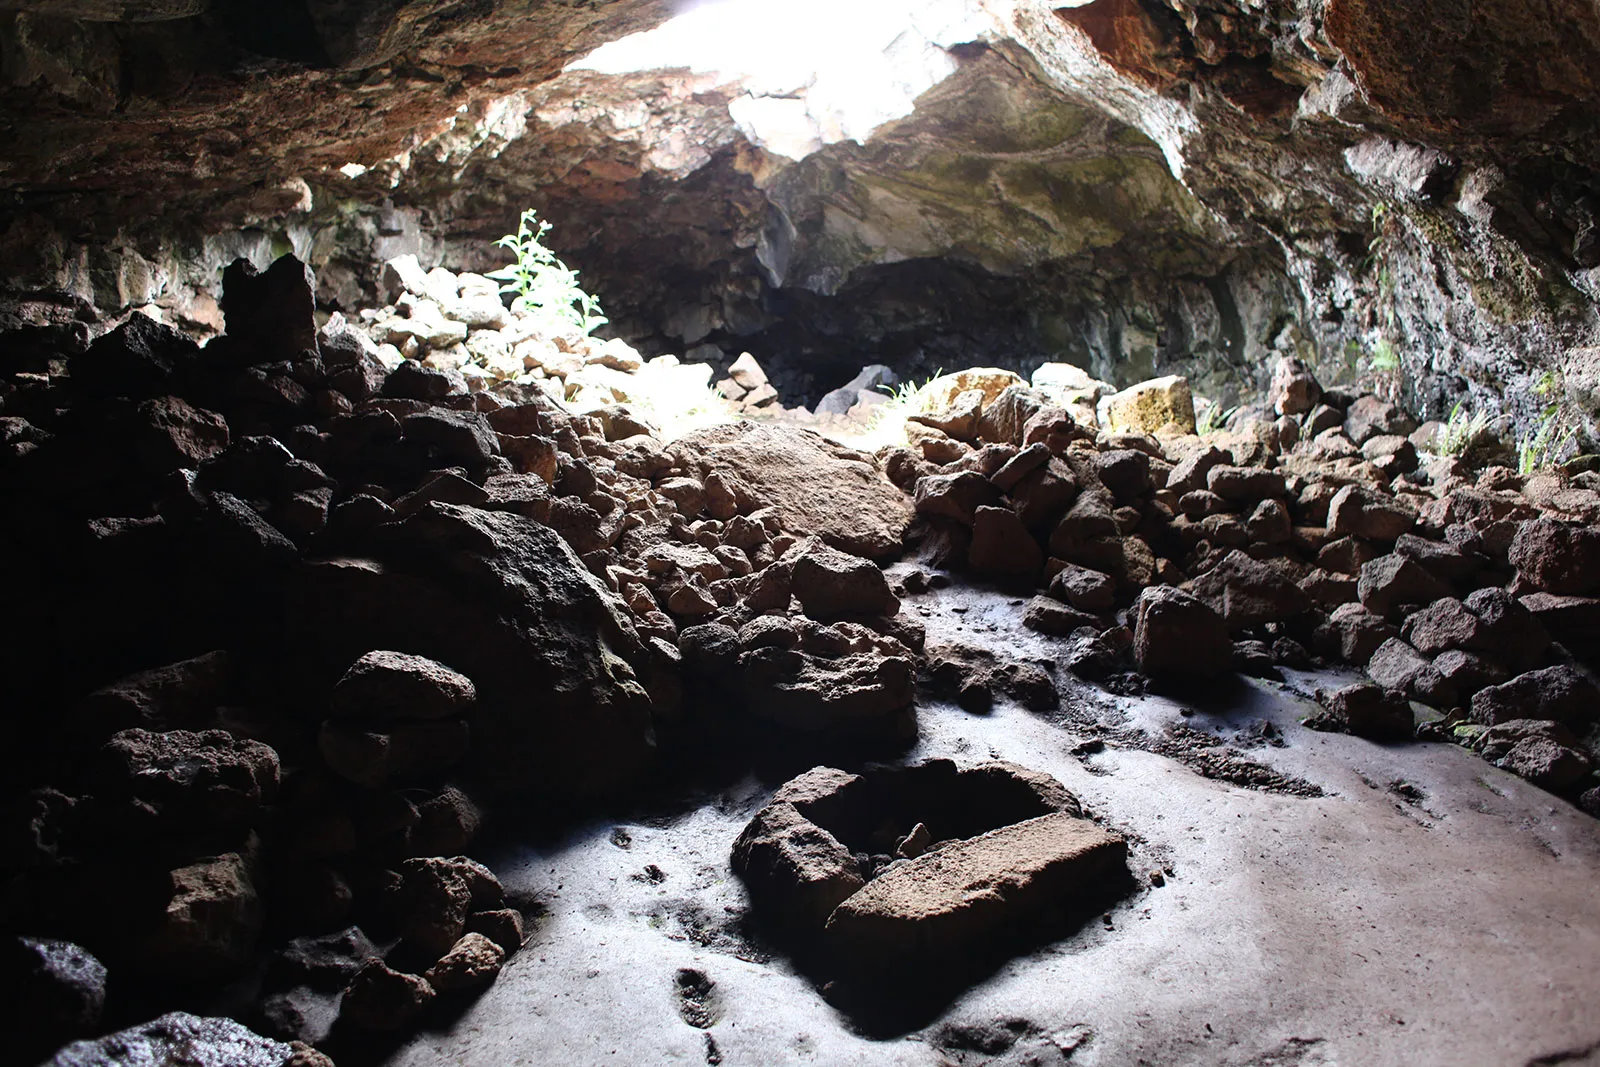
(953, 533)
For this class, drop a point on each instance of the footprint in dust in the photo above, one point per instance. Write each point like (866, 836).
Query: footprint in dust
(698, 1001)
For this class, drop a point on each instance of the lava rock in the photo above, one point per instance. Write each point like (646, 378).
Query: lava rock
(1358, 512)
(271, 314)
(1558, 558)
(1293, 389)
(1545, 753)
(473, 963)
(1245, 485)
(397, 685)
(797, 870)
(832, 585)
(211, 921)
(1002, 545)
(1247, 592)
(1046, 616)
(1560, 694)
(381, 998)
(1369, 416)
(58, 991)
(188, 780)
(1389, 583)
(1085, 589)
(1443, 625)
(1397, 666)
(1357, 633)
(1178, 636)
(180, 1038)
(947, 903)
(1368, 711)
(955, 496)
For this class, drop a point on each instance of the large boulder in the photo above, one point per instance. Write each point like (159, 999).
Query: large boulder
(1558, 558)
(1247, 592)
(504, 601)
(794, 868)
(189, 781)
(948, 903)
(396, 685)
(1159, 405)
(1545, 753)
(211, 921)
(179, 1038)
(1178, 636)
(58, 991)
(817, 487)
(1559, 694)
(833, 585)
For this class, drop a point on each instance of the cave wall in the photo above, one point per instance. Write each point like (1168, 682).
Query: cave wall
(1137, 186)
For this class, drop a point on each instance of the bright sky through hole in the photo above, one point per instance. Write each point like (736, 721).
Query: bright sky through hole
(813, 73)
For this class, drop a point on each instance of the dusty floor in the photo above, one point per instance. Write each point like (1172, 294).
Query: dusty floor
(1428, 909)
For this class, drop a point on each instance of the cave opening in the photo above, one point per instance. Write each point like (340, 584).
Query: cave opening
(957, 532)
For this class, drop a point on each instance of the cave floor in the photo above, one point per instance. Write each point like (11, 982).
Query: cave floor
(1428, 908)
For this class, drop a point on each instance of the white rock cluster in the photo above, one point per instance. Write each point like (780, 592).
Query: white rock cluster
(458, 322)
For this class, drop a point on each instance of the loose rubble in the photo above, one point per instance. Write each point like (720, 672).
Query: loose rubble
(304, 605)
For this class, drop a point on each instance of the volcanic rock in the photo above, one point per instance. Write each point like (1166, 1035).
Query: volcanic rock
(175, 1038)
(1178, 636)
(472, 963)
(397, 685)
(381, 998)
(946, 903)
(831, 584)
(817, 487)
(1560, 694)
(58, 991)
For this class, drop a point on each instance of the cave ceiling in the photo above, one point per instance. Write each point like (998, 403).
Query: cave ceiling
(1140, 181)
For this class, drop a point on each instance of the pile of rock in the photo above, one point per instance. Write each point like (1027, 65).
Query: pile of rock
(1321, 535)
(747, 387)
(460, 327)
(354, 595)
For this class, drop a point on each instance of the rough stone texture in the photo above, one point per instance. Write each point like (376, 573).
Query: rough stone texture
(1177, 636)
(472, 963)
(211, 921)
(183, 694)
(381, 998)
(1390, 582)
(178, 1038)
(1560, 694)
(946, 903)
(831, 585)
(504, 600)
(191, 780)
(797, 868)
(1557, 558)
(397, 685)
(57, 993)
(818, 488)
(1246, 592)
(1158, 405)
(1002, 545)
(1546, 753)
(1358, 512)
(1370, 711)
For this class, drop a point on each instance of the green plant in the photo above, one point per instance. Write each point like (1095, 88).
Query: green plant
(1384, 356)
(1551, 437)
(1461, 430)
(545, 286)
(1212, 417)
